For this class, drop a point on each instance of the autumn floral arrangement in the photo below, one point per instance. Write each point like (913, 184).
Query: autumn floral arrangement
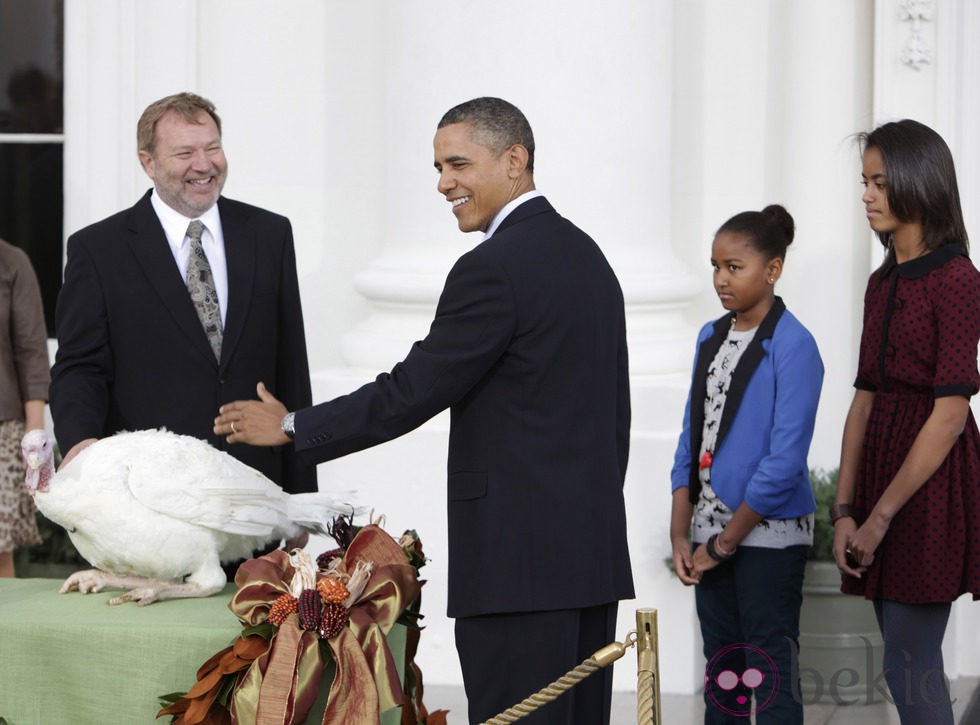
(304, 622)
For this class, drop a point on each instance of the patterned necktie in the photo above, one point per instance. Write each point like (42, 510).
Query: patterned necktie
(200, 285)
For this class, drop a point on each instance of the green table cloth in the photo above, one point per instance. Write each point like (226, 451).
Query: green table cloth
(72, 659)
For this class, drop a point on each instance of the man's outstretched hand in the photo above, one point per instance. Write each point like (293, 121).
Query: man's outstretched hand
(256, 422)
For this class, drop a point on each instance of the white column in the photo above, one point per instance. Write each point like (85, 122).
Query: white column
(819, 97)
(608, 63)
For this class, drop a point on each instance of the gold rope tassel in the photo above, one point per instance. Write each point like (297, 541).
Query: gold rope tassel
(647, 668)
(599, 659)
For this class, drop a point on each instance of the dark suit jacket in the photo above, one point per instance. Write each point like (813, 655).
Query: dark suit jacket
(132, 353)
(528, 348)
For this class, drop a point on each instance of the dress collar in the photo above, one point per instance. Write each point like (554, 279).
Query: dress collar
(921, 266)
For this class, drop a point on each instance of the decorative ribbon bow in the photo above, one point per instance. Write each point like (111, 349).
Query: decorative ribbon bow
(281, 683)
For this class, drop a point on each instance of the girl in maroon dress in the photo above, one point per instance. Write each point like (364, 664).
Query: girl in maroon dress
(906, 533)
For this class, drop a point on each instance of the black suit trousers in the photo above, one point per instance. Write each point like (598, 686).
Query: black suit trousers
(507, 657)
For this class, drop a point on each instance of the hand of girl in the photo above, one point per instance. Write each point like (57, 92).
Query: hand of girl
(844, 531)
(865, 541)
(684, 563)
(702, 561)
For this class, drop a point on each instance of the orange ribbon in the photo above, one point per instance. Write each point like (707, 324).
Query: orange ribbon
(197, 706)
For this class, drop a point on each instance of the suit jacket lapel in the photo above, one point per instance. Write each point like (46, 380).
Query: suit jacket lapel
(150, 247)
(240, 252)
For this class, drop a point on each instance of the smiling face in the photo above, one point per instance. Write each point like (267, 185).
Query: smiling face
(742, 277)
(187, 163)
(477, 182)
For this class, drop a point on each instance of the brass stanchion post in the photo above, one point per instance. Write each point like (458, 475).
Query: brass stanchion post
(647, 668)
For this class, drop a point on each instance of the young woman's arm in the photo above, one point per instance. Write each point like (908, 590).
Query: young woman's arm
(33, 414)
(850, 458)
(933, 443)
(743, 521)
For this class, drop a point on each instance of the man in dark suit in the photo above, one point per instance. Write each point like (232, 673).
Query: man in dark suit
(528, 350)
(132, 348)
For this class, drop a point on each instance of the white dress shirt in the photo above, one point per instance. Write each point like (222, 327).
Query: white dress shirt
(508, 208)
(212, 240)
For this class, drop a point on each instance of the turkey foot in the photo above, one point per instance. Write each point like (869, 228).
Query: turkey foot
(143, 590)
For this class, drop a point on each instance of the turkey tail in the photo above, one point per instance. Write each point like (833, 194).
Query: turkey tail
(313, 512)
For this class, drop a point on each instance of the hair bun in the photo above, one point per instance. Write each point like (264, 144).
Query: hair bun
(778, 214)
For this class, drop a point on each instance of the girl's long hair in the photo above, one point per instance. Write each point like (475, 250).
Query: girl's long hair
(921, 181)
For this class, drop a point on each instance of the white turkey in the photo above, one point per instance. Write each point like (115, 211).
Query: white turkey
(158, 512)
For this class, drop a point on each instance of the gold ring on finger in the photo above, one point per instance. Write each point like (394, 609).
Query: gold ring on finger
(233, 427)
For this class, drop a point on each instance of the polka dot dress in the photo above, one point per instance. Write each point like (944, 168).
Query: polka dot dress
(921, 329)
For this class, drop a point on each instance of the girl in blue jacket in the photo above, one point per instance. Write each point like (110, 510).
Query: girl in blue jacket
(740, 481)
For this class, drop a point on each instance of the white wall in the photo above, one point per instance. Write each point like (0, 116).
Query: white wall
(655, 120)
